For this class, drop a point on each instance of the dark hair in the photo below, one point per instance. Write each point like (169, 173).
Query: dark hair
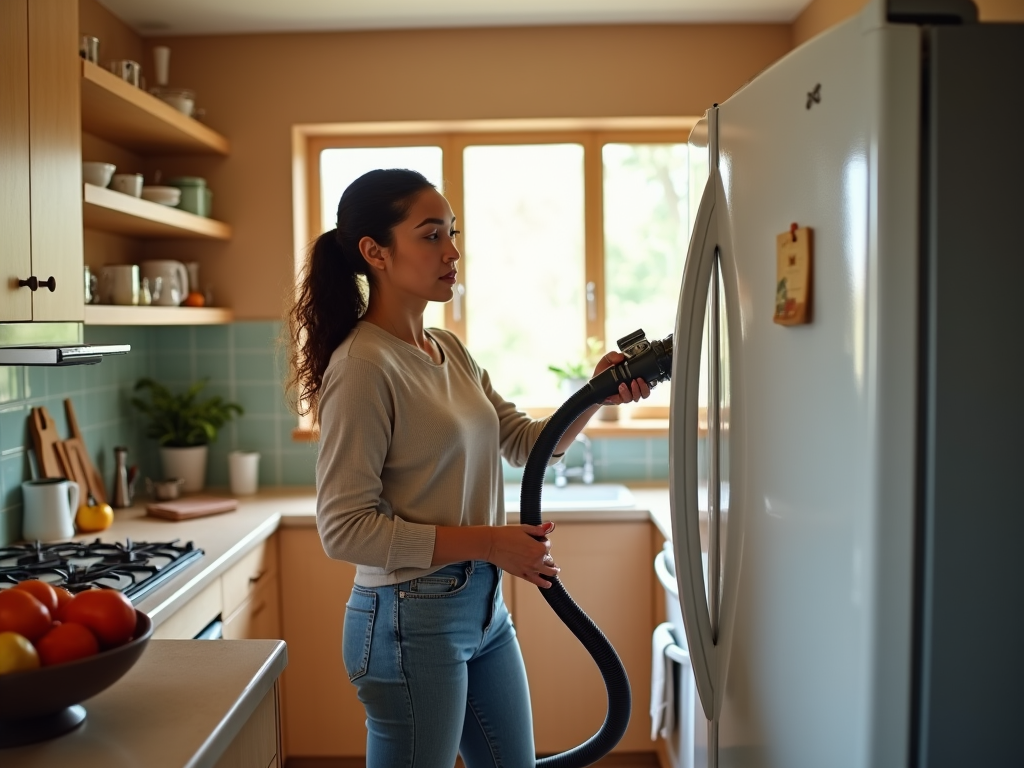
(332, 294)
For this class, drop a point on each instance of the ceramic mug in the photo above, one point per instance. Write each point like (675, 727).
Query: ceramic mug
(119, 284)
(243, 472)
(49, 508)
(128, 183)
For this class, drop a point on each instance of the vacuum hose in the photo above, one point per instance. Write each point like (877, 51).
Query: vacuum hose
(651, 361)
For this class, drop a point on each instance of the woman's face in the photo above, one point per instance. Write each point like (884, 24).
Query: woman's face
(421, 259)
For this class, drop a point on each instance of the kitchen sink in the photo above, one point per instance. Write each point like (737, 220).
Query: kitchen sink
(575, 496)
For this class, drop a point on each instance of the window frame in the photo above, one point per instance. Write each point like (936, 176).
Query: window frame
(308, 141)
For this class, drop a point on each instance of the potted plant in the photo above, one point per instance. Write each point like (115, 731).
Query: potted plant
(575, 373)
(184, 426)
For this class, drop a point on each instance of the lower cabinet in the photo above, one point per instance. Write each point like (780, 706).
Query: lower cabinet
(190, 619)
(606, 567)
(257, 745)
(245, 597)
(258, 618)
(322, 716)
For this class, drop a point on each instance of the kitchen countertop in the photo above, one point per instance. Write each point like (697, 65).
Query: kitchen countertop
(154, 714)
(164, 713)
(226, 538)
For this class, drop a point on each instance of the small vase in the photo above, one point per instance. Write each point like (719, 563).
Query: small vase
(189, 464)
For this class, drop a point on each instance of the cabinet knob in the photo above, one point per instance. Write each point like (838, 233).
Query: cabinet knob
(33, 283)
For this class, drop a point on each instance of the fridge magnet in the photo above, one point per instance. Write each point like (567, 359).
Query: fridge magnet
(793, 276)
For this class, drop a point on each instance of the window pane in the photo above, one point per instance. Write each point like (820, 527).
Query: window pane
(646, 233)
(340, 166)
(524, 272)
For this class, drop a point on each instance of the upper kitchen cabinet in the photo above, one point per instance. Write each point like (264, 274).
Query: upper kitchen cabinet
(40, 161)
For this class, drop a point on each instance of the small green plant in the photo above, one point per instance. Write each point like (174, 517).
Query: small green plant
(180, 420)
(580, 369)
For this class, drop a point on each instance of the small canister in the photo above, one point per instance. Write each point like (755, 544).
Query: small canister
(195, 197)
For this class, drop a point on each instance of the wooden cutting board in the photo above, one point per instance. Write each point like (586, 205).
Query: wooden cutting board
(46, 441)
(79, 460)
(193, 506)
(73, 458)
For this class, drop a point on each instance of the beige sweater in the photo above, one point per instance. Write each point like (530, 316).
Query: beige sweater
(405, 445)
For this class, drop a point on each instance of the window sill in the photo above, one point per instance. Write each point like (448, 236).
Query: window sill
(596, 429)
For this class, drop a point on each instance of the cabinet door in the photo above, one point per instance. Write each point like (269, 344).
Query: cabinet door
(322, 716)
(606, 567)
(15, 221)
(256, 745)
(258, 618)
(244, 578)
(55, 138)
(191, 618)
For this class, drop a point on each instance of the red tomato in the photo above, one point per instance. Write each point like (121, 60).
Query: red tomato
(22, 613)
(108, 613)
(66, 642)
(63, 598)
(41, 591)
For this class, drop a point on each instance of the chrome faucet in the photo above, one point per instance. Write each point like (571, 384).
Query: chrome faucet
(584, 472)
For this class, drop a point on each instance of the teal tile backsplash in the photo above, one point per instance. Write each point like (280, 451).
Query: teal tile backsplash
(242, 363)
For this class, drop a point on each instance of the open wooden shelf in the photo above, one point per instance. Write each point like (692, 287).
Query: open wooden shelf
(108, 314)
(123, 114)
(111, 211)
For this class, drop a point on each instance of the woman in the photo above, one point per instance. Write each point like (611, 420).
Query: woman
(409, 483)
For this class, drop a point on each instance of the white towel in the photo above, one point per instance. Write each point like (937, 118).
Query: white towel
(663, 693)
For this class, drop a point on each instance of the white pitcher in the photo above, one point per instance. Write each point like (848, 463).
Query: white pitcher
(174, 277)
(50, 506)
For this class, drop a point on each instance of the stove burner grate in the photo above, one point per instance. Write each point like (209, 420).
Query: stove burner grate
(134, 568)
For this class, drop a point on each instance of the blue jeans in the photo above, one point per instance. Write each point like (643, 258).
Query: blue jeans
(438, 668)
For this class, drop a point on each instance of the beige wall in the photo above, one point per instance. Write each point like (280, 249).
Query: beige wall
(819, 15)
(256, 87)
(117, 39)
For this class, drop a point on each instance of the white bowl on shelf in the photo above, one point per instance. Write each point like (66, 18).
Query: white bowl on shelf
(98, 174)
(182, 99)
(163, 195)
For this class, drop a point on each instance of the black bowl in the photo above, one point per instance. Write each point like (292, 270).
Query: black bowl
(42, 703)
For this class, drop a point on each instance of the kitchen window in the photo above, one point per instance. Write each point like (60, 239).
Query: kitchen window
(570, 233)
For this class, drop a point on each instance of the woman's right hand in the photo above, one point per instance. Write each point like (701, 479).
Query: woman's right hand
(515, 550)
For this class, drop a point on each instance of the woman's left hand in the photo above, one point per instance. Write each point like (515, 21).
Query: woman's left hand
(635, 391)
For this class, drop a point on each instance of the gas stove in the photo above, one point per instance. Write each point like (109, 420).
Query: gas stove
(131, 567)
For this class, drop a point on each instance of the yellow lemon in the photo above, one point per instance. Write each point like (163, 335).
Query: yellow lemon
(16, 653)
(94, 517)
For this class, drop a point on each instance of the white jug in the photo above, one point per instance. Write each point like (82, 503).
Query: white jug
(49, 509)
(174, 280)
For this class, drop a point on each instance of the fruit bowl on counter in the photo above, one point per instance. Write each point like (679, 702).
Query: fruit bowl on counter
(44, 702)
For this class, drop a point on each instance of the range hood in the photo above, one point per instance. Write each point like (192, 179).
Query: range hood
(52, 344)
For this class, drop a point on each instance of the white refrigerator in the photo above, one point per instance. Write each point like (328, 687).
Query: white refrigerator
(863, 468)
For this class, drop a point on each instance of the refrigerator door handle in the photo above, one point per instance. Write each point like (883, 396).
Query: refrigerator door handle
(684, 415)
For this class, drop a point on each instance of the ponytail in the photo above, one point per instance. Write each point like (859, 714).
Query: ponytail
(334, 284)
